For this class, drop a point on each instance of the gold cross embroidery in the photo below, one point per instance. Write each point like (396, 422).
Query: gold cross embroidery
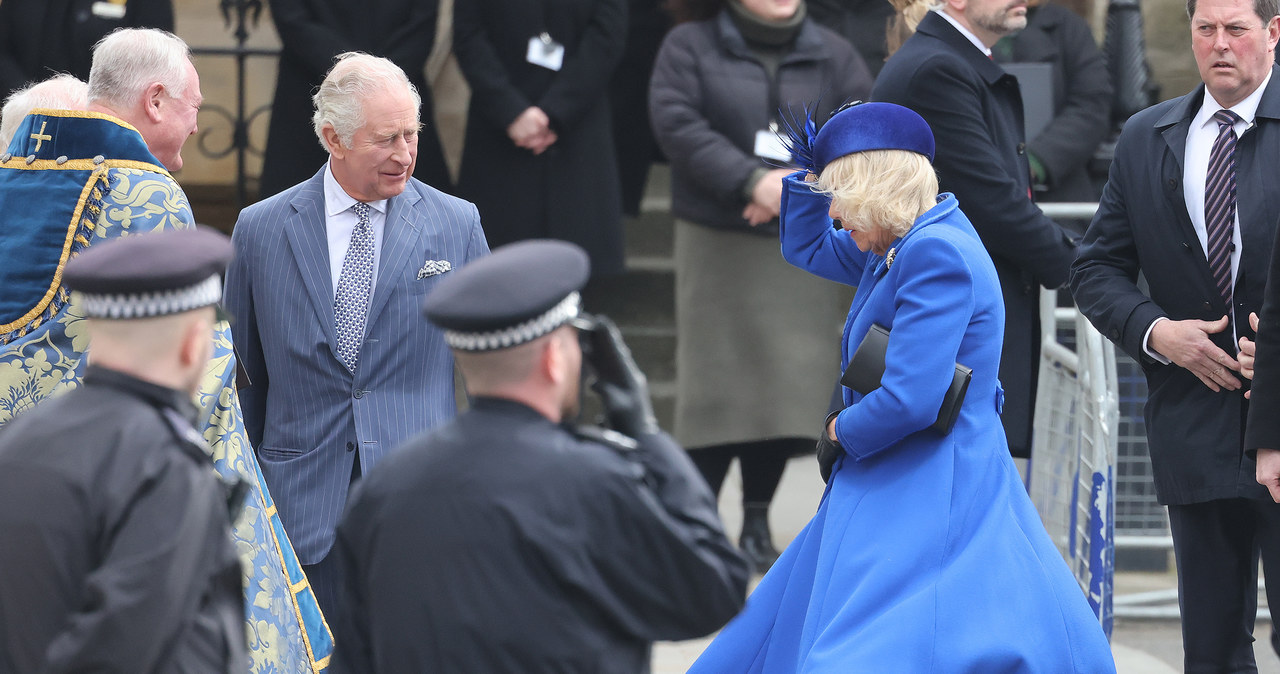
(40, 138)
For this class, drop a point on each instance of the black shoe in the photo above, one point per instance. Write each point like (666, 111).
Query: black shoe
(756, 542)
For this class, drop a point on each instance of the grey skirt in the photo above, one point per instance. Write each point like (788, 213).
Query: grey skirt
(758, 341)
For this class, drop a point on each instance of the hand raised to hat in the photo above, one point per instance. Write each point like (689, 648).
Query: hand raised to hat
(622, 387)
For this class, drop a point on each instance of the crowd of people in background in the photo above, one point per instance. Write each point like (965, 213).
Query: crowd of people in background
(326, 416)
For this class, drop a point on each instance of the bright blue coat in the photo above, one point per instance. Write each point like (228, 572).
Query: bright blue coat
(925, 554)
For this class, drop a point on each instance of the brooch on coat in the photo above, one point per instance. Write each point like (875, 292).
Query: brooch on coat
(888, 257)
(433, 268)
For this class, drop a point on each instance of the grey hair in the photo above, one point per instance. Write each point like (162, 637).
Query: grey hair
(1265, 9)
(128, 60)
(339, 102)
(60, 92)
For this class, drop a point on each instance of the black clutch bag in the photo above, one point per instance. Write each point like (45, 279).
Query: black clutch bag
(866, 368)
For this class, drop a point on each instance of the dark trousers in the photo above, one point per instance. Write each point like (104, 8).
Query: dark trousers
(325, 576)
(1217, 545)
(761, 461)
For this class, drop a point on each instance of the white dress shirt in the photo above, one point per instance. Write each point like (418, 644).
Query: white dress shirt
(340, 222)
(1195, 171)
(964, 31)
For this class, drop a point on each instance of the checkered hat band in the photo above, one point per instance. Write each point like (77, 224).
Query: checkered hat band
(565, 310)
(148, 305)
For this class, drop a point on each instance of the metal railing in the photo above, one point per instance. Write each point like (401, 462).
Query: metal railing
(244, 15)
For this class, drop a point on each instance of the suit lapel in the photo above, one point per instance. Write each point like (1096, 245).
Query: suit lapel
(398, 241)
(305, 229)
(1173, 127)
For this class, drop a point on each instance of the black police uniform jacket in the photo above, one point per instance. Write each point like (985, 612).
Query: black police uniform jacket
(116, 550)
(1142, 226)
(975, 110)
(504, 543)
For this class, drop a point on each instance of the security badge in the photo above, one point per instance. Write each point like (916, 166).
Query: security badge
(109, 9)
(434, 268)
(545, 52)
(769, 144)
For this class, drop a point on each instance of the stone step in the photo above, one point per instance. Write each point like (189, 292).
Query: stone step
(650, 233)
(643, 296)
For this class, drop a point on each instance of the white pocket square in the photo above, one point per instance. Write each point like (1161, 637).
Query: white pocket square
(434, 267)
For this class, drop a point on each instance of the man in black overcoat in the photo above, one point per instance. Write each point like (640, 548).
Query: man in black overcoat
(1164, 214)
(512, 541)
(312, 33)
(945, 73)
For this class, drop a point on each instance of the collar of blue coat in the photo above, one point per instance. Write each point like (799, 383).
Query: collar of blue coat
(75, 136)
(946, 204)
(52, 197)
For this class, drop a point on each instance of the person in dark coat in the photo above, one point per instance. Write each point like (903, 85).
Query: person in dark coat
(39, 38)
(1059, 154)
(862, 22)
(117, 551)
(511, 541)
(945, 73)
(752, 363)
(312, 34)
(538, 158)
(633, 139)
(1184, 324)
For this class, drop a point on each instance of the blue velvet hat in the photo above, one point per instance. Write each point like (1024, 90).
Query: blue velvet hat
(859, 127)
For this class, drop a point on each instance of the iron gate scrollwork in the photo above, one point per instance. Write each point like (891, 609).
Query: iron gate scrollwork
(244, 15)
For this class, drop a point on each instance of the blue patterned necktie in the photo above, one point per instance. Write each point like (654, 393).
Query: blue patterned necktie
(1220, 202)
(354, 285)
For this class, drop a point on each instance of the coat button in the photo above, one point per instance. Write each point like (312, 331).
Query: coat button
(31, 159)
(98, 159)
(62, 160)
(351, 446)
(358, 393)
(1207, 306)
(1114, 335)
(1022, 148)
(6, 157)
(1173, 183)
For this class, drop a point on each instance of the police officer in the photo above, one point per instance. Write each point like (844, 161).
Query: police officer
(508, 540)
(117, 552)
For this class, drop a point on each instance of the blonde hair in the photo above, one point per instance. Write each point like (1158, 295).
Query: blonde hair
(902, 25)
(888, 189)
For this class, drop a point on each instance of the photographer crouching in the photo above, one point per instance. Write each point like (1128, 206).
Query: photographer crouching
(512, 541)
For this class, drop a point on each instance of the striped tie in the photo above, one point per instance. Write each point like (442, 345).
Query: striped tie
(1220, 202)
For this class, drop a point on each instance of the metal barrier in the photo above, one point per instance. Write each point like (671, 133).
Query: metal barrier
(1137, 519)
(1071, 476)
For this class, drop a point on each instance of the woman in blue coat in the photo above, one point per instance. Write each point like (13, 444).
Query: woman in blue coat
(925, 554)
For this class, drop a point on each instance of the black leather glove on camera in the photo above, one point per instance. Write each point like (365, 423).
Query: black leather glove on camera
(828, 450)
(622, 387)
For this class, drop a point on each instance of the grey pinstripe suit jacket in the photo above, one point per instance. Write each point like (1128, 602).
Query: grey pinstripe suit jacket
(305, 413)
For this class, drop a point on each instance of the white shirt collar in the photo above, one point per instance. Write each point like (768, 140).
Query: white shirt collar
(1246, 109)
(964, 31)
(336, 199)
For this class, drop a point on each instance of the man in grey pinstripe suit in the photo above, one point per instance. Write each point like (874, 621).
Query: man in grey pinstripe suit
(325, 397)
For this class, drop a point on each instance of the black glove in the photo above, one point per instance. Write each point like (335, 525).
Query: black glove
(828, 450)
(621, 385)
